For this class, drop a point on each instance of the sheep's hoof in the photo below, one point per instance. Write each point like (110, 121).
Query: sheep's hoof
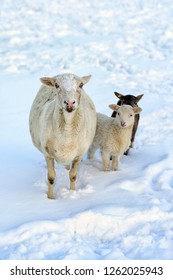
(115, 169)
(72, 186)
(106, 169)
(50, 194)
(126, 153)
(67, 166)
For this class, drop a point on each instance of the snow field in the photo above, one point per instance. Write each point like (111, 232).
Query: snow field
(126, 46)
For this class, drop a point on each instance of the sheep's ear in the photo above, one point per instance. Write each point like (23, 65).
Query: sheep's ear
(85, 79)
(139, 97)
(114, 107)
(50, 82)
(119, 95)
(137, 110)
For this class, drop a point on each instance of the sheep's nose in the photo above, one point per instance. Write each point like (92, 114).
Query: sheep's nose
(123, 124)
(70, 105)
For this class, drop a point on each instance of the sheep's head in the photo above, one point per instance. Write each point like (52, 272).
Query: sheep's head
(68, 88)
(128, 99)
(125, 114)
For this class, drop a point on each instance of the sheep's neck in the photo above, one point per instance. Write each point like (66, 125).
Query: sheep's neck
(126, 132)
(124, 138)
(66, 122)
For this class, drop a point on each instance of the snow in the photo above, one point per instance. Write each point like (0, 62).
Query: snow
(127, 47)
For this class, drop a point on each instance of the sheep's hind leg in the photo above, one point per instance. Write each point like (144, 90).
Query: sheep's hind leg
(73, 173)
(51, 177)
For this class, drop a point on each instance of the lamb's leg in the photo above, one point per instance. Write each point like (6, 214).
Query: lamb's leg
(51, 177)
(106, 160)
(73, 173)
(91, 151)
(135, 126)
(115, 162)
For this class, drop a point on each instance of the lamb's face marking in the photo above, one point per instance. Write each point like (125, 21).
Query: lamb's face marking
(128, 100)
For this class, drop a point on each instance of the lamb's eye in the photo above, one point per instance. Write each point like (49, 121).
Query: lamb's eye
(131, 115)
(81, 85)
(118, 113)
(56, 85)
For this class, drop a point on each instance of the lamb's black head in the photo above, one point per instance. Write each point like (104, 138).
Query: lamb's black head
(128, 99)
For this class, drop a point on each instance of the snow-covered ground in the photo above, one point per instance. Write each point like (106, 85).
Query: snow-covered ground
(126, 46)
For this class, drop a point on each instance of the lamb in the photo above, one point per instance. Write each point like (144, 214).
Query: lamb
(62, 123)
(113, 134)
(132, 101)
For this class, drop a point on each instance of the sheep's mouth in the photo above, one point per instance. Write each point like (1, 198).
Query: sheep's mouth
(123, 125)
(70, 109)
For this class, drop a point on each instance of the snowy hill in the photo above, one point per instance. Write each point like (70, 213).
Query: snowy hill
(127, 47)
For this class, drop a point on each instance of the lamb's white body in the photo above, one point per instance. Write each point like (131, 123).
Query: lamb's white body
(62, 123)
(113, 135)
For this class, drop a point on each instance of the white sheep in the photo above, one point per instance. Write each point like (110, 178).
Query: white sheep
(62, 123)
(113, 135)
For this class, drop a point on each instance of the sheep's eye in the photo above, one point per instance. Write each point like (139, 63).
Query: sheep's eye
(131, 115)
(56, 85)
(118, 114)
(81, 85)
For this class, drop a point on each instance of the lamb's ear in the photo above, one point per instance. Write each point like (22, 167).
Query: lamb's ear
(50, 82)
(119, 95)
(114, 107)
(137, 110)
(139, 97)
(85, 79)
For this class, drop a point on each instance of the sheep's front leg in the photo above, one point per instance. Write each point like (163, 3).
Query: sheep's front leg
(73, 173)
(115, 162)
(106, 160)
(51, 177)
